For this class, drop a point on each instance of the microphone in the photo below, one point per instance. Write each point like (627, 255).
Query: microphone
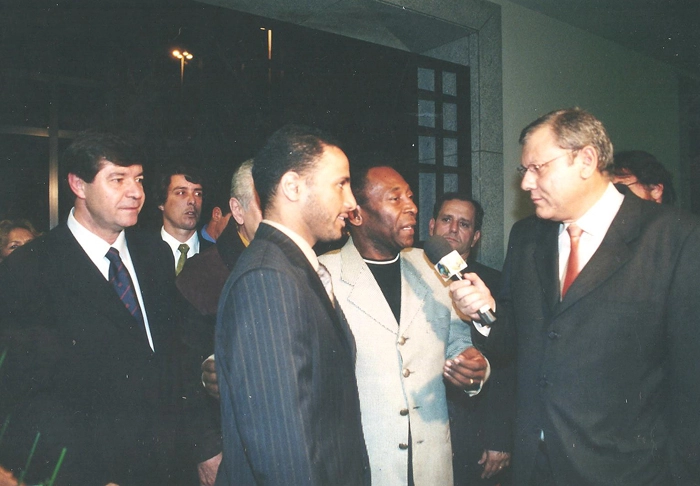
(450, 265)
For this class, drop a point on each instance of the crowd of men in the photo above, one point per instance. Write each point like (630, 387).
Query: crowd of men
(361, 365)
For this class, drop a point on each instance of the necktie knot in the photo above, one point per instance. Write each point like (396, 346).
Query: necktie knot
(575, 232)
(183, 249)
(113, 256)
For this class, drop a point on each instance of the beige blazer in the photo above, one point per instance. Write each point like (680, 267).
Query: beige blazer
(399, 365)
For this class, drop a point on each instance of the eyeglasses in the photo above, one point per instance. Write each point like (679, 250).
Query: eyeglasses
(536, 168)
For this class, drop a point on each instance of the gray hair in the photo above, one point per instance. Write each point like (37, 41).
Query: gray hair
(242, 187)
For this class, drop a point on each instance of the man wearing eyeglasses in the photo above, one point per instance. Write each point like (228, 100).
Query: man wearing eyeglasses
(600, 310)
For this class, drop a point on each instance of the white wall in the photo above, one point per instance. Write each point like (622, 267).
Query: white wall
(548, 65)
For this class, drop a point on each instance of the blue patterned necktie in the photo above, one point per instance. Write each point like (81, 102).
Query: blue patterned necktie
(121, 280)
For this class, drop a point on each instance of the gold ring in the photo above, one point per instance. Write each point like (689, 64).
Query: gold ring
(471, 381)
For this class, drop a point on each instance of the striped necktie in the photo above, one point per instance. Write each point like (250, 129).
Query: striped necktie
(121, 281)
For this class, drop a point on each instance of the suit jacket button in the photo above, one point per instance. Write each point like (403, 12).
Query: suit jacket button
(402, 341)
(406, 372)
(543, 382)
(553, 335)
(403, 412)
(403, 446)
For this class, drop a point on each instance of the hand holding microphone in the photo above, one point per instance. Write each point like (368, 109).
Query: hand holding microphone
(450, 265)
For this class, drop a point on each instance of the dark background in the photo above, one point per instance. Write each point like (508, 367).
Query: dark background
(108, 66)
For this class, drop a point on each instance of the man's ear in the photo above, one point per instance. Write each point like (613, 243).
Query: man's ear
(290, 185)
(589, 158)
(355, 217)
(236, 210)
(77, 185)
(657, 192)
(477, 236)
(431, 226)
(216, 214)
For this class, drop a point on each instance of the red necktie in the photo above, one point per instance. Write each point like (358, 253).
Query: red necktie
(572, 267)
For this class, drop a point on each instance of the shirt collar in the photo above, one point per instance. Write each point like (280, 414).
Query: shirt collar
(93, 245)
(192, 242)
(298, 240)
(597, 220)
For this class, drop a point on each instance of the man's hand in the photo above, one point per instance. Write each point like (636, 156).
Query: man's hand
(467, 369)
(207, 470)
(494, 462)
(211, 384)
(470, 295)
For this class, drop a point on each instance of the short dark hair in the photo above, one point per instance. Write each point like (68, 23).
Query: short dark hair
(291, 148)
(166, 173)
(573, 129)
(361, 164)
(451, 196)
(86, 155)
(648, 171)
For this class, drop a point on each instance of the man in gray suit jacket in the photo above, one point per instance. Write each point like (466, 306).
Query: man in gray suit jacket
(601, 309)
(285, 355)
(402, 318)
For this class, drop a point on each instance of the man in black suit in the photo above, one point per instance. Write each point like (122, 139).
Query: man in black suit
(481, 426)
(285, 355)
(599, 305)
(90, 367)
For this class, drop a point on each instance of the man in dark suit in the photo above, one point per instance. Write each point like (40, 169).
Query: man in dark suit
(285, 355)
(481, 426)
(200, 284)
(179, 194)
(600, 306)
(90, 367)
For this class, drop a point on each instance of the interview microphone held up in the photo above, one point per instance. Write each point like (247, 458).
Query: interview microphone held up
(450, 265)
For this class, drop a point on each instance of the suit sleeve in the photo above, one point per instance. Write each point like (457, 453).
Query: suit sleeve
(27, 333)
(683, 331)
(460, 337)
(264, 342)
(500, 346)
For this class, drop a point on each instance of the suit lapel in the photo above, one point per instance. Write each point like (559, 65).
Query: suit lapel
(365, 293)
(299, 260)
(80, 277)
(413, 293)
(612, 254)
(546, 255)
(146, 273)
